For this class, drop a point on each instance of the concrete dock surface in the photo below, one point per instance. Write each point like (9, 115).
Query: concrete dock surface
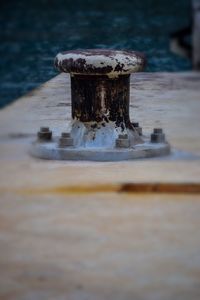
(69, 231)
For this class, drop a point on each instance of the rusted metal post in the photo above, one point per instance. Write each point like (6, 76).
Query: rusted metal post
(101, 99)
(101, 128)
(100, 83)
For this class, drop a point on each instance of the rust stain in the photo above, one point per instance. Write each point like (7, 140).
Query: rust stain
(128, 188)
(86, 189)
(79, 65)
(169, 188)
(99, 98)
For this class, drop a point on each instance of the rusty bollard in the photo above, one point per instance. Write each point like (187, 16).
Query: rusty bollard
(101, 128)
(100, 89)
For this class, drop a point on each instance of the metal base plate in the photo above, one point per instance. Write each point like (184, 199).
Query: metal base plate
(51, 150)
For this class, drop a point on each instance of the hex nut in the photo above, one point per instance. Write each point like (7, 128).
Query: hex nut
(157, 130)
(44, 134)
(123, 136)
(66, 140)
(65, 135)
(122, 141)
(157, 136)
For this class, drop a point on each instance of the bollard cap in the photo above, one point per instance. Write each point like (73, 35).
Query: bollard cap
(100, 62)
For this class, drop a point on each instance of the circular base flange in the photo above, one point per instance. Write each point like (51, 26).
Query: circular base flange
(51, 150)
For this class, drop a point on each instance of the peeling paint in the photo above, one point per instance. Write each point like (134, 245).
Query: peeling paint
(98, 62)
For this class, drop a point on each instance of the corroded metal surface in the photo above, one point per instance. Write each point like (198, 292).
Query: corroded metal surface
(100, 61)
(100, 95)
(101, 99)
(100, 88)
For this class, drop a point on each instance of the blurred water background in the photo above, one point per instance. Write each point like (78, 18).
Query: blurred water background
(32, 32)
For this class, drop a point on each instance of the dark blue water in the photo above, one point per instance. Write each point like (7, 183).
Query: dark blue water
(32, 32)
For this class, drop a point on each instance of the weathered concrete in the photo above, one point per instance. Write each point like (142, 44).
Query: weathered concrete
(60, 239)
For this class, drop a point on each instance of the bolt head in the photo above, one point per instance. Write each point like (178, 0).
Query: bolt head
(157, 138)
(44, 129)
(44, 134)
(123, 136)
(66, 134)
(122, 143)
(157, 130)
(65, 140)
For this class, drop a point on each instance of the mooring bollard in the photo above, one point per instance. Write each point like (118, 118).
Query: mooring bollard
(101, 128)
(100, 83)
